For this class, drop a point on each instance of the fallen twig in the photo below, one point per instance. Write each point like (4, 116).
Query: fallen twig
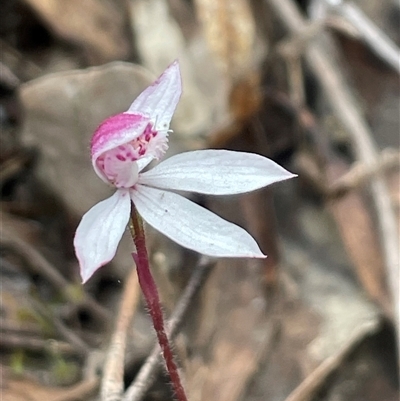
(80, 391)
(18, 62)
(347, 18)
(356, 177)
(13, 166)
(360, 174)
(60, 327)
(40, 265)
(317, 378)
(12, 341)
(377, 40)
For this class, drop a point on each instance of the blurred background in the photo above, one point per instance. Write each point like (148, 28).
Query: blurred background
(311, 84)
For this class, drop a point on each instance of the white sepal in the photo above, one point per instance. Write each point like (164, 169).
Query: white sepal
(215, 172)
(193, 226)
(159, 100)
(100, 231)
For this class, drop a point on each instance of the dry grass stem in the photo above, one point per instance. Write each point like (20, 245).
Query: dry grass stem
(377, 40)
(313, 382)
(112, 382)
(361, 174)
(80, 391)
(66, 333)
(34, 344)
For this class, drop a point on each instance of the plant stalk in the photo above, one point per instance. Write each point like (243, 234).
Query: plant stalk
(152, 298)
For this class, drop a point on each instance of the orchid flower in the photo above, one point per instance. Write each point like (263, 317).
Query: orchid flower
(124, 144)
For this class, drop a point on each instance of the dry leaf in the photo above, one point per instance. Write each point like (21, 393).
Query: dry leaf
(95, 26)
(360, 238)
(230, 32)
(233, 332)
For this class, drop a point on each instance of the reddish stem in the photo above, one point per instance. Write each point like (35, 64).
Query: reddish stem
(150, 293)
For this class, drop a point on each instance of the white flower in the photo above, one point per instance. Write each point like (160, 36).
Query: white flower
(126, 143)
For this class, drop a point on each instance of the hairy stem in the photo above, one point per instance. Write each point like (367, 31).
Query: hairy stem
(150, 293)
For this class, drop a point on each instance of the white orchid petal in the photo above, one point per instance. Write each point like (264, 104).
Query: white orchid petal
(191, 225)
(100, 231)
(159, 100)
(217, 172)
